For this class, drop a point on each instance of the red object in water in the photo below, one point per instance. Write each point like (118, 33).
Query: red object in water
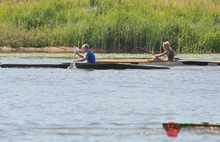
(172, 132)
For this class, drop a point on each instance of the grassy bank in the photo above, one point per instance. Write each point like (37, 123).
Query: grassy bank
(190, 26)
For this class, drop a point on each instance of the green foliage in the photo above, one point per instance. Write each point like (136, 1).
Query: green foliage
(190, 26)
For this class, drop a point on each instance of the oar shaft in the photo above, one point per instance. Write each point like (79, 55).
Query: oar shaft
(73, 62)
(143, 50)
(74, 59)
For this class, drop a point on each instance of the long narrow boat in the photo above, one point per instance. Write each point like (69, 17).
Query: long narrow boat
(115, 66)
(174, 128)
(163, 62)
(63, 65)
(83, 66)
(193, 124)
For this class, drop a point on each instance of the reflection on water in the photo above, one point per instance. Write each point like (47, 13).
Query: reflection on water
(104, 105)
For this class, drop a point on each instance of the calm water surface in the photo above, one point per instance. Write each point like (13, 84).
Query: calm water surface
(61, 105)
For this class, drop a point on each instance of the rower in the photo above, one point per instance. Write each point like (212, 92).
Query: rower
(169, 52)
(89, 55)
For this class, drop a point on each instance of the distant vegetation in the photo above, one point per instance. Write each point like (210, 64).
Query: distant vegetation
(189, 25)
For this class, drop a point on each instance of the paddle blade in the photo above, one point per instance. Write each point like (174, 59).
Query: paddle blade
(71, 67)
(174, 53)
(76, 48)
(139, 49)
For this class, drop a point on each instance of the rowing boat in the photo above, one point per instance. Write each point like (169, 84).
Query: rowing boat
(115, 66)
(83, 66)
(163, 62)
(62, 65)
(193, 124)
(173, 128)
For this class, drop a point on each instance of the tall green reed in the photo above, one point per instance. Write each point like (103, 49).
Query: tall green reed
(189, 26)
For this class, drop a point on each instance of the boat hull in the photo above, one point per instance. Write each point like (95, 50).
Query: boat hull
(63, 65)
(83, 66)
(114, 66)
(163, 62)
(192, 124)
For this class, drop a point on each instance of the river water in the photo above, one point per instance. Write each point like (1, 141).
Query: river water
(61, 105)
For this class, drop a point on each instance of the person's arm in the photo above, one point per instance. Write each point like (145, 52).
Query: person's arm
(162, 54)
(82, 59)
(81, 56)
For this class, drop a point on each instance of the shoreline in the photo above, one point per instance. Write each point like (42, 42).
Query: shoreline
(62, 49)
(35, 49)
(59, 49)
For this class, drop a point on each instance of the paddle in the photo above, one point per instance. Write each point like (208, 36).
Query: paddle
(142, 50)
(72, 64)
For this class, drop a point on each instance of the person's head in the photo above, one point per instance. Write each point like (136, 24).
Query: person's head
(166, 45)
(85, 48)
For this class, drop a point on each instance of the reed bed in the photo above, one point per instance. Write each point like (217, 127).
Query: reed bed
(190, 26)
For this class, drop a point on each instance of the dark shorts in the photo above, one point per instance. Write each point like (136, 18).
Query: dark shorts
(157, 58)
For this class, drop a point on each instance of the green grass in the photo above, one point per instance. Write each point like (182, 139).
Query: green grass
(190, 26)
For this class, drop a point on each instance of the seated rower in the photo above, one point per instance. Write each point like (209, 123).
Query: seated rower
(89, 55)
(168, 52)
